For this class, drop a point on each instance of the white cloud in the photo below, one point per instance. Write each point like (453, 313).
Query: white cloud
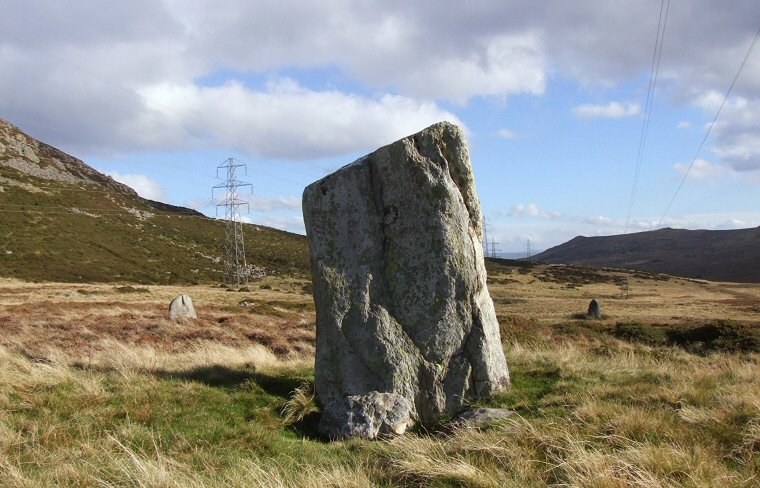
(499, 66)
(732, 223)
(611, 110)
(683, 124)
(506, 134)
(285, 120)
(600, 220)
(112, 60)
(714, 221)
(702, 170)
(290, 223)
(736, 133)
(260, 203)
(144, 186)
(545, 233)
(200, 204)
(531, 210)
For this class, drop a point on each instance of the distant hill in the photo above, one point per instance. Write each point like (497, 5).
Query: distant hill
(61, 220)
(718, 255)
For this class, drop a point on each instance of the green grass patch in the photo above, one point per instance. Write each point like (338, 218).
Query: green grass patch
(532, 383)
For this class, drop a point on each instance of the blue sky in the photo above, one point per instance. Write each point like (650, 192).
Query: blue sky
(551, 95)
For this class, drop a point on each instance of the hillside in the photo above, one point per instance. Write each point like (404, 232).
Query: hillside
(718, 255)
(61, 220)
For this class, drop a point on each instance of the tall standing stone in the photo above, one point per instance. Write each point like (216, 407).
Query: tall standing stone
(400, 286)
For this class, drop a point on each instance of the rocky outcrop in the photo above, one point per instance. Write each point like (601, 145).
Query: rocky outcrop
(30, 156)
(400, 283)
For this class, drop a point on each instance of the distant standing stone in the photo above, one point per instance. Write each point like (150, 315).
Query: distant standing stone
(594, 310)
(405, 323)
(182, 307)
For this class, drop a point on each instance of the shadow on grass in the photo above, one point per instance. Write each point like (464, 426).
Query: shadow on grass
(281, 386)
(224, 377)
(246, 380)
(218, 376)
(307, 427)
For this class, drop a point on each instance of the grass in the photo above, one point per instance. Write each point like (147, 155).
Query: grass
(97, 388)
(587, 417)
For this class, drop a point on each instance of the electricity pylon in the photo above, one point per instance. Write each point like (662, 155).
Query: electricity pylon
(485, 238)
(493, 247)
(235, 269)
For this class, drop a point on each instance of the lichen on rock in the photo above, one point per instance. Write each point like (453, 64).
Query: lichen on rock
(400, 283)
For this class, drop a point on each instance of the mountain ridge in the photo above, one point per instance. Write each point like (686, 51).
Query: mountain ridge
(718, 255)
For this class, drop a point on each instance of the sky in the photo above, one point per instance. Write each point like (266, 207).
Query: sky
(552, 96)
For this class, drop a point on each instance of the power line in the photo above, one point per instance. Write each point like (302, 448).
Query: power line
(712, 124)
(653, 75)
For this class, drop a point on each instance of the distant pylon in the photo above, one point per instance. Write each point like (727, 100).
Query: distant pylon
(485, 238)
(235, 269)
(527, 251)
(493, 247)
(624, 287)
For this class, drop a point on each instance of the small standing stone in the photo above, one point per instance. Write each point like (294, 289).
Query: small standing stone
(182, 307)
(594, 310)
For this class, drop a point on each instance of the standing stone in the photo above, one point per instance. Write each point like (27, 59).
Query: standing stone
(400, 284)
(594, 310)
(182, 307)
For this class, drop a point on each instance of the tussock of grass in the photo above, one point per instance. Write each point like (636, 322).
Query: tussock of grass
(301, 403)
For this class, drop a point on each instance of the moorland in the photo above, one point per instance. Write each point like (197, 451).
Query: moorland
(99, 388)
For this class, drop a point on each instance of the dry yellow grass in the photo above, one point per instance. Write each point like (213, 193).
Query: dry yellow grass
(97, 388)
(649, 300)
(89, 321)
